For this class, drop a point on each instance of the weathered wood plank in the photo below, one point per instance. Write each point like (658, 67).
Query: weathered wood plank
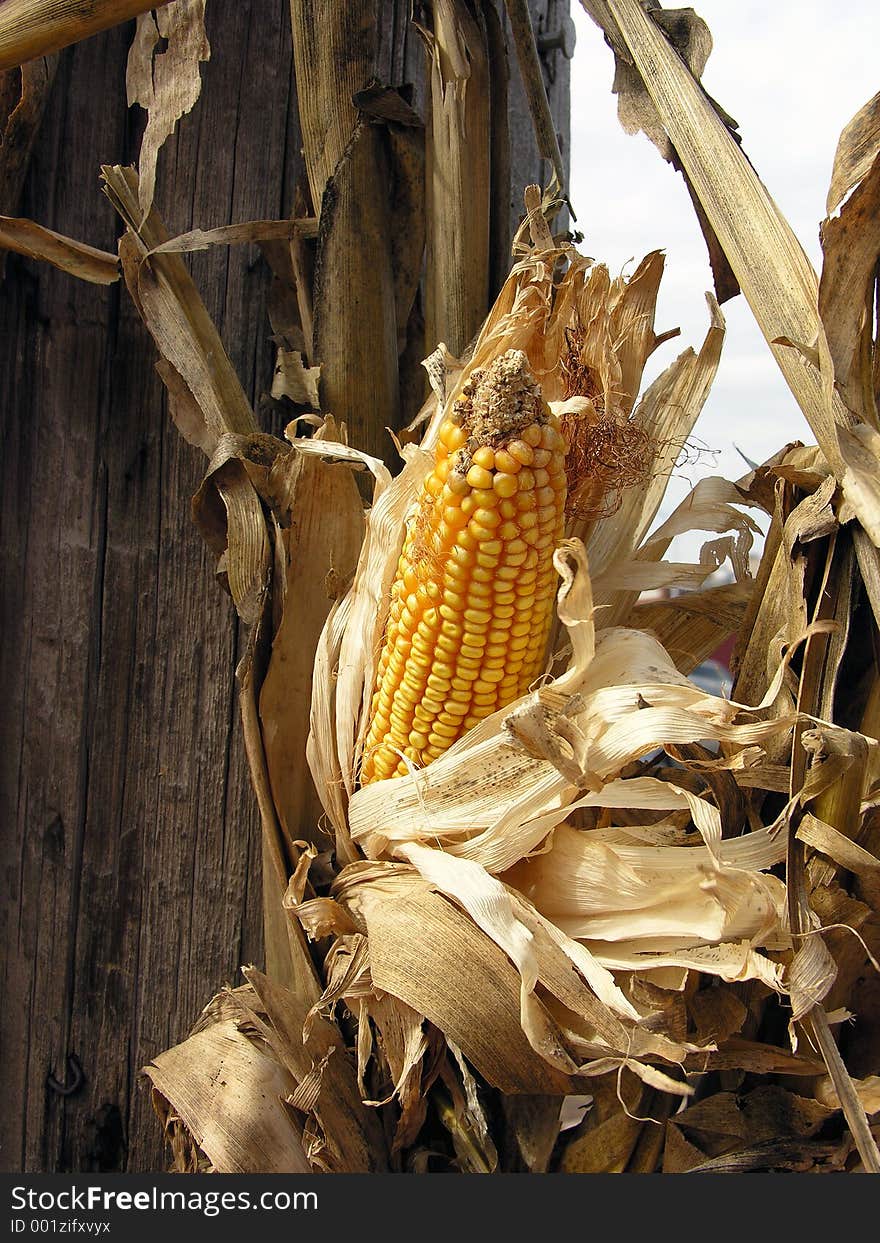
(134, 884)
(130, 839)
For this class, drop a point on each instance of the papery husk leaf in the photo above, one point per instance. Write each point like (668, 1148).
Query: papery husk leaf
(321, 749)
(32, 28)
(321, 536)
(769, 263)
(868, 1091)
(236, 1117)
(352, 1132)
(166, 84)
(848, 854)
(667, 412)
(78, 259)
(810, 976)
(593, 890)
(731, 961)
(856, 151)
(423, 951)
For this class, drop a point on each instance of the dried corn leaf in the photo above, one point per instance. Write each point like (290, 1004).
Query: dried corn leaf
(406, 149)
(268, 231)
(868, 1092)
(86, 262)
(174, 313)
(31, 28)
(532, 1124)
(724, 1121)
(352, 1133)
(166, 83)
(689, 35)
(319, 534)
(292, 379)
(692, 626)
(770, 265)
(229, 1095)
(424, 951)
(851, 246)
(334, 57)
(532, 75)
(354, 287)
(826, 839)
(856, 152)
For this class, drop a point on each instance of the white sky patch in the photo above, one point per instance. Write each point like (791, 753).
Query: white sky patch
(792, 74)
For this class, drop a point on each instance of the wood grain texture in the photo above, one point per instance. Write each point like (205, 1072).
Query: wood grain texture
(130, 838)
(527, 166)
(131, 855)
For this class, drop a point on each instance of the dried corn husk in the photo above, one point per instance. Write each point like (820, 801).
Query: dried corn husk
(481, 844)
(31, 28)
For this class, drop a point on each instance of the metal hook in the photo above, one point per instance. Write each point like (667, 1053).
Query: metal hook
(74, 1080)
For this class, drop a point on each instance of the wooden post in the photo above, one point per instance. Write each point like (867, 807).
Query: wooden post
(131, 839)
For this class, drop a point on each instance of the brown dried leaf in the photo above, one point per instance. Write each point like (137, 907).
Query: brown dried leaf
(427, 953)
(268, 231)
(458, 177)
(320, 532)
(692, 625)
(353, 1132)
(292, 379)
(31, 28)
(691, 39)
(89, 264)
(856, 151)
(851, 246)
(174, 313)
(724, 1121)
(717, 1014)
(166, 85)
(229, 1093)
(359, 369)
(759, 1059)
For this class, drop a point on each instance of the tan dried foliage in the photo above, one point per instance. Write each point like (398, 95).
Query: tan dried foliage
(620, 886)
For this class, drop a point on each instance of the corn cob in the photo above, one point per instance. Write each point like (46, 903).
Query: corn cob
(472, 599)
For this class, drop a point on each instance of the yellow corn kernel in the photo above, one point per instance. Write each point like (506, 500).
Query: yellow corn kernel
(472, 600)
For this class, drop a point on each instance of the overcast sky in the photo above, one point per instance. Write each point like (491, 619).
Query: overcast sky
(792, 73)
